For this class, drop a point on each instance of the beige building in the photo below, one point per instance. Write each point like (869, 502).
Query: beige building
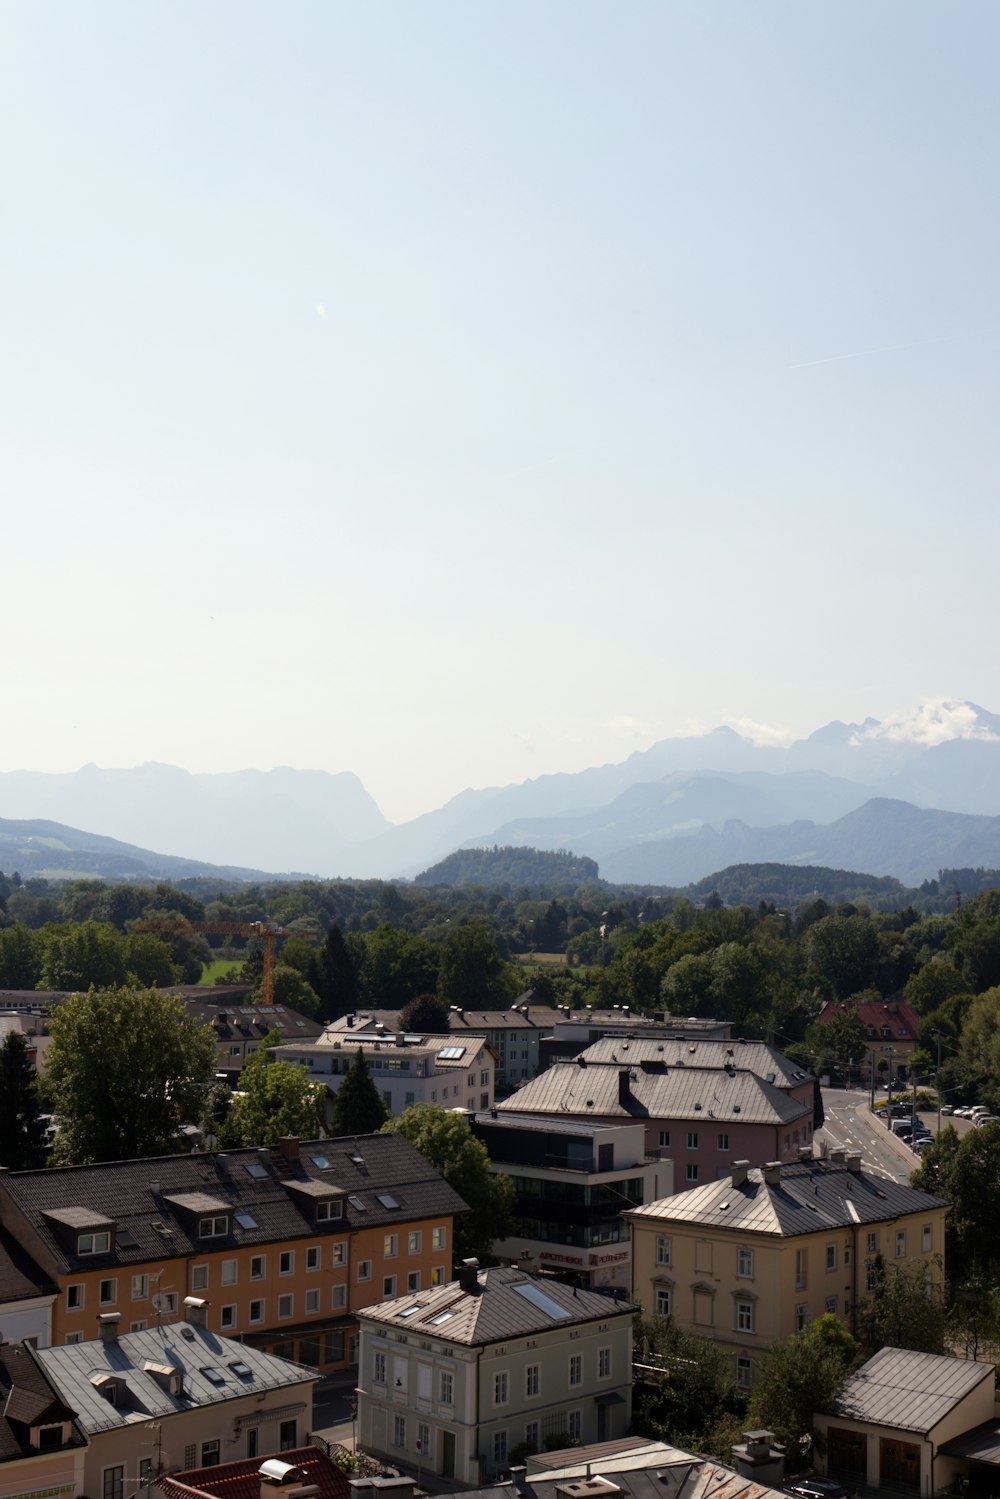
(751, 1259)
(406, 1069)
(174, 1397)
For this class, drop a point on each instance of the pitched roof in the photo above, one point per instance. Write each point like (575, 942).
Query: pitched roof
(506, 1303)
(20, 1277)
(254, 1186)
(807, 1197)
(690, 1051)
(591, 1090)
(26, 1399)
(212, 1373)
(901, 1018)
(656, 1473)
(232, 1019)
(530, 1017)
(908, 1391)
(241, 1479)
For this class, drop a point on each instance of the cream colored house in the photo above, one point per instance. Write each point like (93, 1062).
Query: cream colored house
(751, 1259)
(173, 1397)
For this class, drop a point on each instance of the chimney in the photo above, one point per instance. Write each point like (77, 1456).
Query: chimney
(107, 1326)
(838, 1157)
(350, 1022)
(289, 1147)
(279, 1480)
(624, 1090)
(196, 1311)
(400, 1038)
(740, 1170)
(854, 1163)
(758, 1459)
(468, 1276)
(771, 1171)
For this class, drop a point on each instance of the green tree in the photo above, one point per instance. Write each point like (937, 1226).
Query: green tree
(336, 977)
(844, 952)
(148, 961)
(427, 1014)
(904, 1310)
(126, 1068)
(76, 957)
(686, 988)
(695, 1393)
(20, 958)
(932, 984)
(445, 1140)
(22, 1133)
(396, 967)
(357, 1108)
(838, 1043)
(965, 1171)
(797, 1378)
(290, 989)
(275, 1099)
(472, 974)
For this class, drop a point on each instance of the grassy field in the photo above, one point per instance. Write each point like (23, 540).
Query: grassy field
(539, 959)
(212, 972)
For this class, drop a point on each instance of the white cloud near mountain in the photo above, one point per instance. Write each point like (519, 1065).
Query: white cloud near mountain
(934, 722)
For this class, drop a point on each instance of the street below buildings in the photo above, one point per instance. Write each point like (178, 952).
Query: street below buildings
(849, 1126)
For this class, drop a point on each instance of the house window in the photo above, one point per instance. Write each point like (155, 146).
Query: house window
(413, 1280)
(574, 1425)
(744, 1315)
(286, 1262)
(50, 1436)
(723, 1142)
(873, 1242)
(801, 1317)
(604, 1363)
(256, 1311)
(409, 1099)
(744, 1263)
(531, 1435)
(423, 1437)
(691, 1173)
(258, 1266)
(338, 1252)
(389, 1246)
(288, 1436)
(447, 1388)
(168, 1303)
(664, 1139)
(484, 1078)
(531, 1375)
(75, 1295)
(140, 1287)
(663, 1294)
(286, 1305)
(113, 1483)
(139, 1326)
(501, 1388)
(801, 1269)
(227, 1316)
(438, 1238)
(414, 1241)
(313, 1258)
(692, 1139)
(926, 1238)
(378, 1367)
(900, 1243)
(74, 1337)
(831, 1256)
(229, 1272)
(399, 1431)
(831, 1304)
(575, 1369)
(94, 1244)
(211, 1453)
(744, 1372)
(108, 1292)
(664, 1249)
(338, 1297)
(327, 1210)
(388, 1287)
(312, 1302)
(213, 1228)
(199, 1277)
(499, 1449)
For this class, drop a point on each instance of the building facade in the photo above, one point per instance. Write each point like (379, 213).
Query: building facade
(406, 1069)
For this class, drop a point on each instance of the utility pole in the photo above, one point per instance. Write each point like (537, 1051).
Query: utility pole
(937, 1081)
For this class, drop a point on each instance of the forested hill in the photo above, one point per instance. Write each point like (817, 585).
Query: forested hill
(787, 885)
(519, 867)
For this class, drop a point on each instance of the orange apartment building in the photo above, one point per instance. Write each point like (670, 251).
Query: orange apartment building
(285, 1243)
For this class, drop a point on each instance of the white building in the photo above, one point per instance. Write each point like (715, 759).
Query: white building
(459, 1378)
(454, 1072)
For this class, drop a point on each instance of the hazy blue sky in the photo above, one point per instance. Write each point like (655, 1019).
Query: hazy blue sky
(453, 392)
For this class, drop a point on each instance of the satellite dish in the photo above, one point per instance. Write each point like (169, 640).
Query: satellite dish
(161, 1302)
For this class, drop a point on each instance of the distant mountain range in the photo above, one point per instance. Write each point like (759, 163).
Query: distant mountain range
(902, 797)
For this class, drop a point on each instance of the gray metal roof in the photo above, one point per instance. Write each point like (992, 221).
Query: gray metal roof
(908, 1391)
(665, 1474)
(591, 1090)
(690, 1051)
(808, 1197)
(72, 1369)
(981, 1444)
(495, 1310)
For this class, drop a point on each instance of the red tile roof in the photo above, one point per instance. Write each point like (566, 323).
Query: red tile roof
(902, 1020)
(241, 1480)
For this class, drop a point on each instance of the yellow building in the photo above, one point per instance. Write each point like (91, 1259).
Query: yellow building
(752, 1258)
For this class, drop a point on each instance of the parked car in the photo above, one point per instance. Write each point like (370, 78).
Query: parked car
(982, 1119)
(924, 1142)
(946, 1109)
(816, 1488)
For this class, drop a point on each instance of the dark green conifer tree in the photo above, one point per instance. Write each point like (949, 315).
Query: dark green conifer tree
(357, 1108)
(22, 1132)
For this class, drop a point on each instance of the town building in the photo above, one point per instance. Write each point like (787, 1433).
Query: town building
(41, 1446)
(274, 1477)
(240, 1028)
(285, 1243)
(751, 1259)
(572, 1180)
(33, 1025)
(891, 1030)
(463, 1378)
(406, 1069)
(914, 1423)
(757, 1057)
(27, 1295)
(701, 1117)
(172, 1397)
(576, 1030)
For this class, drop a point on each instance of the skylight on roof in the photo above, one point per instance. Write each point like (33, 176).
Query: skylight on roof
(246, 1221)
(320, 1161)
(387, 1200)
(239, 1367)
(357, 1205)
(256, 1170)
(451, 1053)
(409, 1310)
(214, 1376)
(441, 1317)
(540, 1301)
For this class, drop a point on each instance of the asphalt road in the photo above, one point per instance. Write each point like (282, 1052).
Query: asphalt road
(845, 1129)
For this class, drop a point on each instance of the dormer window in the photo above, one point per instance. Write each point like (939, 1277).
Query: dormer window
(99, 1243)
(213, 1228)
(50, 1436)
(327, 1210)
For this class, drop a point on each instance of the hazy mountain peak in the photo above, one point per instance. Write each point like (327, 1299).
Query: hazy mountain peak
(934, 722)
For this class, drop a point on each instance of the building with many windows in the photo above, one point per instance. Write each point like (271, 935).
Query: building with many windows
(749, 1260)
(572, 1182)
(406, 1069)
(464, 1378)
(284, 1243)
